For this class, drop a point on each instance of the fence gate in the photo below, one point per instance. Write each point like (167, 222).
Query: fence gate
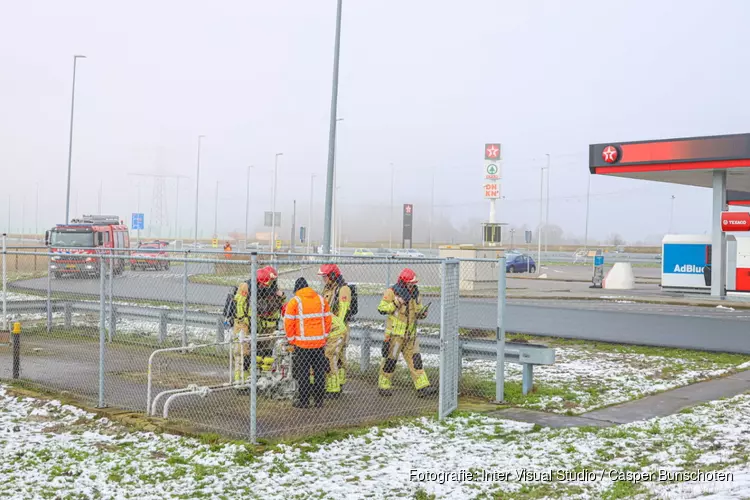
(450, 359)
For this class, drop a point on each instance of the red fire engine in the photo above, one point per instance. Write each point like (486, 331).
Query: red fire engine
(76, 244)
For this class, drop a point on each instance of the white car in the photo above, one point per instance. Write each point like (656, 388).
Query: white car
(409, 253)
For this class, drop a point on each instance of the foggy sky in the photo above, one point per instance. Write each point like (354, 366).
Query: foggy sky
(423, 85)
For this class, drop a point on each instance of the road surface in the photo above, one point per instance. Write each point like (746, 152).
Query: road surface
(719, 329)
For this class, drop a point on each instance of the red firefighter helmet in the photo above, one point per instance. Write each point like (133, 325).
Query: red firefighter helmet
(408, 276)
(266, 275)
(330, 270)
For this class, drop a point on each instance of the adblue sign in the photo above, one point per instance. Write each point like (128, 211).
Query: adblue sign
(684, 259)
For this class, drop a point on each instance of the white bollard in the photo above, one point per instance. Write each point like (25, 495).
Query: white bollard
(620, 277)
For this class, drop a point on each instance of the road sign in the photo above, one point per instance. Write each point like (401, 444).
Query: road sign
(278, 244)
(735, 221)
(215, 243)
(407, 224)
(267, 219)
(598, 279)
(137, 222)
(493, 171)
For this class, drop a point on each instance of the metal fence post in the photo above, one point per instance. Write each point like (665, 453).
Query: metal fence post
(184, 302)
(500, 363)
(111, 300)
(102, 329)
(49, 296)
(253, 345)
(5, 284)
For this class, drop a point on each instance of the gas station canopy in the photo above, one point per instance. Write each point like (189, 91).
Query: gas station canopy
(689, 161)
(720, 162)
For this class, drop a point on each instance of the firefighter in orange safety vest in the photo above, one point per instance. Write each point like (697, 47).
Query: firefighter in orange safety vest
(307, 323)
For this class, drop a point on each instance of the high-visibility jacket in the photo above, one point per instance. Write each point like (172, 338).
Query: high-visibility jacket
(402, 320)
(307, 319)
(267, 322)
(340, 297)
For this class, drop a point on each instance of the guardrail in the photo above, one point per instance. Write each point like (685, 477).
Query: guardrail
(525, 354)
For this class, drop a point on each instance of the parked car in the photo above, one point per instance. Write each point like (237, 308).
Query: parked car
(409, 253)
(519, 263)
(143, 256)
(363, 252)
(384, 252)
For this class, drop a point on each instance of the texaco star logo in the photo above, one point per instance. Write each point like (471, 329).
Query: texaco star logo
(492, 151)
(609, 154)
(407, 209)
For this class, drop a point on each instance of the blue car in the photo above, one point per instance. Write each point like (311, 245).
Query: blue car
(519, 263)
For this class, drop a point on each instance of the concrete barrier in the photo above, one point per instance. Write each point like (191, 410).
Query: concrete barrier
(620, 277)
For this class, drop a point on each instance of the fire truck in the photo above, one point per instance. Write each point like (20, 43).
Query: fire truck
(75, 245)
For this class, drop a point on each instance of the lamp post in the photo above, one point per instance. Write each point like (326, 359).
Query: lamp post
(273, 205)
(70, 138)
(671, 214)
(390, 219)
(216, 212)
(197, 189)
(247, 206)
(310, 214)
(332, 135)
(546, 218)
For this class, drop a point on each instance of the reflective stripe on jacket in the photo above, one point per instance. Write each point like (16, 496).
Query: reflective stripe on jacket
(307, 319)
(333, 294)
(402, 320)
(243, 311)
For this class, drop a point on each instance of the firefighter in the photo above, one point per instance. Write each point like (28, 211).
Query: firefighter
(307, 322)
(339, 295)
(270, 302)
(403, 306)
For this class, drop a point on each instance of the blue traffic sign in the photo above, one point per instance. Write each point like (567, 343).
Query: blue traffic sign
(137, 222)
(599, 260)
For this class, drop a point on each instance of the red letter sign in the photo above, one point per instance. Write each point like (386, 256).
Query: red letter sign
(735, 221)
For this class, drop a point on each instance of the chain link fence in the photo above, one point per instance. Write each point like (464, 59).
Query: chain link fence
(150, 334)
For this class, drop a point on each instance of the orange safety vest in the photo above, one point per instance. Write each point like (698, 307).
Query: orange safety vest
(307, 319)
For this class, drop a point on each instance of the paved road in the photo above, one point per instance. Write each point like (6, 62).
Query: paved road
(718, 329)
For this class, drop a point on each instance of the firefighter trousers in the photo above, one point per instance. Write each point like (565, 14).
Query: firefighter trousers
(408, 347)
(304, 362)
(333, 351)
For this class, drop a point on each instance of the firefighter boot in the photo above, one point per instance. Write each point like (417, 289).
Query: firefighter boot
(426, 392)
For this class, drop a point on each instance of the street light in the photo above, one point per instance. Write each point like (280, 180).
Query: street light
(334, 209)
(310, 215)
(671, 215)
(332, 135)
(588, 202)
(70, 139)
(541, 220)
(197, 189)
(247, 206)
(273, 207)
(390, 219)
(546, 218)
(216, 212)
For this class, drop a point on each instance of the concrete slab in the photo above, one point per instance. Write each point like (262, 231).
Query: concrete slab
(670, 402)
(547, 419)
